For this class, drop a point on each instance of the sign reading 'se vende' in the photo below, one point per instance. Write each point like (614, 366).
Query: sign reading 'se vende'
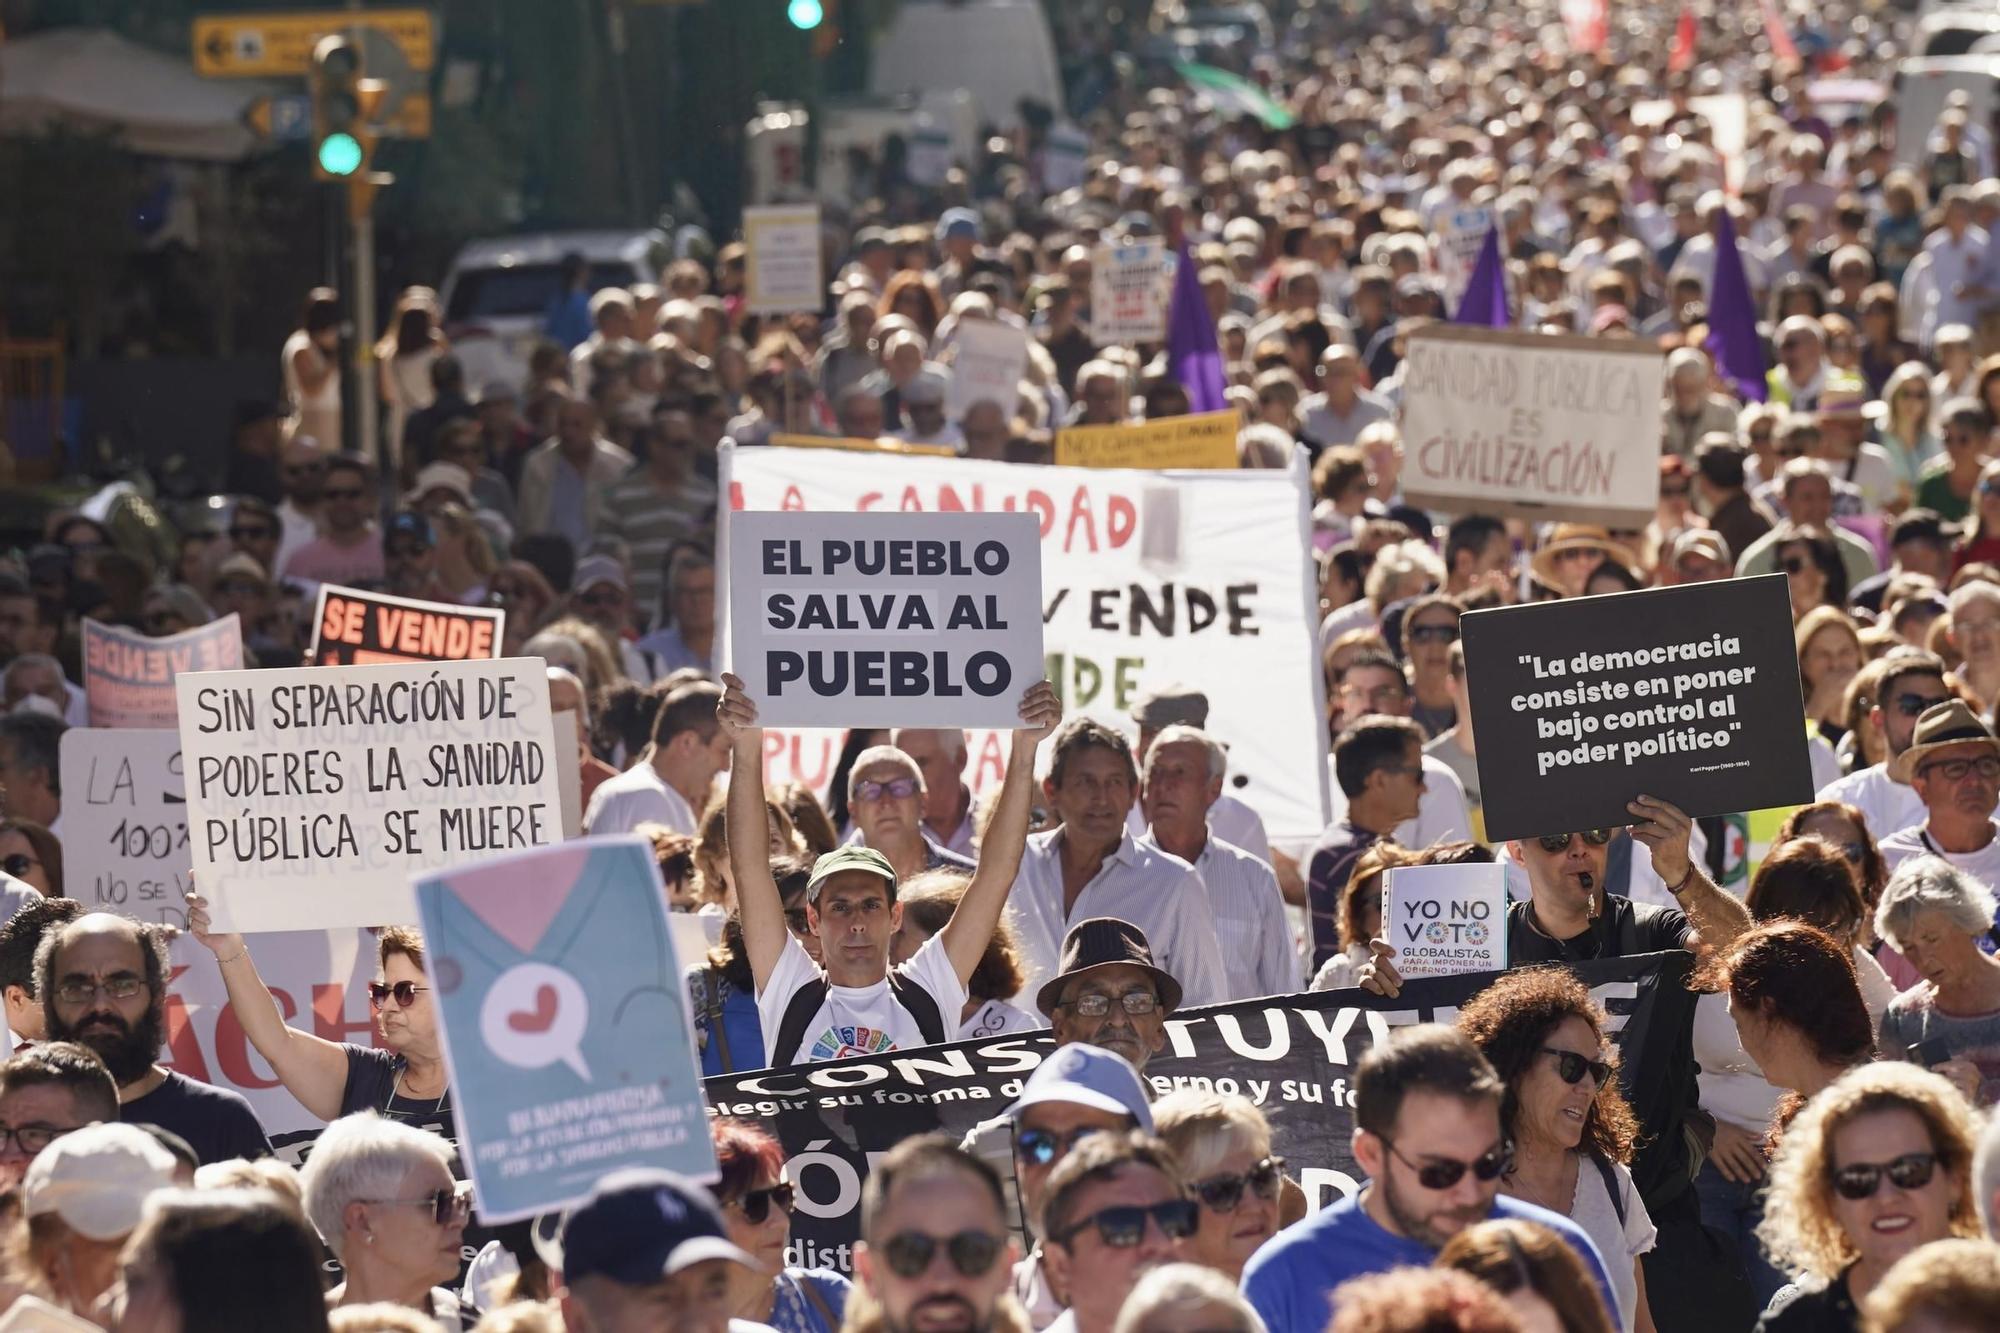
(875, 620)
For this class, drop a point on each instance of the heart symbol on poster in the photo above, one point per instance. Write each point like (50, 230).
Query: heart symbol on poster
(540, 1017)
(535, 1015)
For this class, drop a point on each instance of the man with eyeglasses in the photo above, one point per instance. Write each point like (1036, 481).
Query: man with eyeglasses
(1912, 683)
(934, 1253)
(348, 549)
(54, 1089)
(885, 798)
(102, 980)
(1953, 765)
(1427, 1134)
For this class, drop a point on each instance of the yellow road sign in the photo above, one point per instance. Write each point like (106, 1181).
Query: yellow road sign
(241, 46)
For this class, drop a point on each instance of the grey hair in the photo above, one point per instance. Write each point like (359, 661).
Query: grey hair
(1986, 1172)
(550, 647)
(1184, 1286)
(361, 1157)
(33, 660)
(1973, 590)
(1182, 734)
(564, 675)
(1931, 884)
(881, 754)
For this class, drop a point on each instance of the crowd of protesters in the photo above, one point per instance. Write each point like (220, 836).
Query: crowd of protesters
(1829, 1159)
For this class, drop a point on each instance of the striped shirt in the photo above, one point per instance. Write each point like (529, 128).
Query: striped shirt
(649, 522)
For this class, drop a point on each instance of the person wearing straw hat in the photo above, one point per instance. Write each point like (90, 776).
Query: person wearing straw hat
(1953, 764)
(1572, 554)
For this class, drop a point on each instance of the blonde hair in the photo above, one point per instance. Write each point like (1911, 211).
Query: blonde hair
(1185, 1287)
(1799, 1230)
(523, 1317)
(1954, 1281)
(264, 1173)
(1204, 1127)
(380, 1317)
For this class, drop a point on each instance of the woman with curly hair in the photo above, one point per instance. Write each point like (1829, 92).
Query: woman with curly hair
(1875, 1166)
(1570, 1126)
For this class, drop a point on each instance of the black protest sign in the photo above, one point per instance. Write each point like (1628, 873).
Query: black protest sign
(1293, 1055)
(1687, 694)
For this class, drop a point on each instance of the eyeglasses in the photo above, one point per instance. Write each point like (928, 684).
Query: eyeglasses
(343, 493)
(756, 1204)
(32, 1138)
(1041, 1147)
(1124, 1226)
(83, 992)
(1222, 1193)
(1951, 770)
(1571, 1066)
(1913, 705)
(406, 993)
(252, 534)
(1559, 842)
(972, 1253)
(1096, 1004)
(18, 864)
(899, 789)
(1443, 1175)
(602, 601)
(449, 1207)
(1434, 634)
(1860, 1180)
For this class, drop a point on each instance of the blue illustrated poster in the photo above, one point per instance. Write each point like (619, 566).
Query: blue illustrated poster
(565, 1021)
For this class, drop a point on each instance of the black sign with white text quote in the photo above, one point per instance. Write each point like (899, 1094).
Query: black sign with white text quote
(1688, 694)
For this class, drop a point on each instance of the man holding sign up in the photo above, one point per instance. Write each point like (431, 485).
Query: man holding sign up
(856, 1005)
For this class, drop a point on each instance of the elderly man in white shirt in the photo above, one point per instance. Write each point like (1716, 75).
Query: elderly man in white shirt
(1092, 866)
(1912, 683)
(1182, 779)
(1228, 818)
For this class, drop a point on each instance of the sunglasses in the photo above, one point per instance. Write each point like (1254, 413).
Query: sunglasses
(609, 601)
(449, 1207)
(1443, 1175)
(18, 864)
(1795, 564)
(1559, 842)
(900, 789)
(1860, 1180)
(756, 1204)
(251, 534)
(1571, 1066)
(1222, 1193)
(972, 1253)
(407, 551)
(1124, 1226)
(406, 993)
(1041, 1147)
(1434, 634)
(1096, 1004)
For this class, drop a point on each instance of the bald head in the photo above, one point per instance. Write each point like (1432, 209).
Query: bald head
(940, 756)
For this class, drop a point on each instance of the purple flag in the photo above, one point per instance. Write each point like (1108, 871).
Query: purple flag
(1485, 300)
(1192, 352)
(1732, 317)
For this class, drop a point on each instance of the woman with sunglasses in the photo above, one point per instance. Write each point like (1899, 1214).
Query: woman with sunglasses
(33, 855)
(1877, 1165)
(1938, 917)
(1906, 422)
(1430, 627)
(381, 1195)
(1223, 1144)
(757, 1209)
(519, 589)
(1812, 566)
(1568, 1120)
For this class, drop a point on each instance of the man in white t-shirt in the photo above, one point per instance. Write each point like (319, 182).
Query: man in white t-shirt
(1912, 684)
(1954, 765)
(854, 1004)
(670, 784)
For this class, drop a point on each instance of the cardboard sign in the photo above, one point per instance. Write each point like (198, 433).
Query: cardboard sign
(1206, 440)
(915, 620)
(125, 838)
(566, 1027)
(1447, 920)
(354, 628)
(884, 444)
(314, 793)
(1533, 424)
(781, 272)
(128, 678)
(1688, 694)
(1128, 292)
(1147, 578)
(990, 361)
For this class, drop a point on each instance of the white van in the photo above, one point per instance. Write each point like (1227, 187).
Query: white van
(1923, 83)
(1000, 51)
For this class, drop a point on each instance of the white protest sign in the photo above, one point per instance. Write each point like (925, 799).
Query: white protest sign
(1445, 920)
(990, 361)
(1460, 232)
(1065, 155)
(782, 259)
(884, 620)
(1539, 425)
(125, 838)
(314, 793)
(1148, 578)
(569, 773)
(1128, 292)
(928, 160)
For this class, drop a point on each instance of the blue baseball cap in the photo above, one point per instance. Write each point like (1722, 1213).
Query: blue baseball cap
(639, 1225)
(958, 222)
(1088, 1076)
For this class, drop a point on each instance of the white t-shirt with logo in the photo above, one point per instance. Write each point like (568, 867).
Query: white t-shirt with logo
(857, 1020)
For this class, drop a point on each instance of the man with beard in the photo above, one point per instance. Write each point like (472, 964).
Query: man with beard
(1427, 1133)
(102, 980)
(1912, 684)
(1117, 1208)
(934, 1249)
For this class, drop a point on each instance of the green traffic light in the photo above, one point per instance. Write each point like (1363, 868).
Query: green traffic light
(805, 14)
(340, 154)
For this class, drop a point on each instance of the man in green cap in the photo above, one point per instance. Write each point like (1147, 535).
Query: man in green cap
(856, 1004)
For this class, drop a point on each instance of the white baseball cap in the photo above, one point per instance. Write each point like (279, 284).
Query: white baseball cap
(97, 1180)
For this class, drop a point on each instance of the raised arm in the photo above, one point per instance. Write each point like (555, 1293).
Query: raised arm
(1717, 916)
(971, 926)
(313, 1069)
(747, 828)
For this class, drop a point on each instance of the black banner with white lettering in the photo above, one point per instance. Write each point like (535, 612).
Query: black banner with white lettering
(1293, 1055)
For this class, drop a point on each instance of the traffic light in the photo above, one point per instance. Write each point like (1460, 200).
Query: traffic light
(335, 82)
(805, 15)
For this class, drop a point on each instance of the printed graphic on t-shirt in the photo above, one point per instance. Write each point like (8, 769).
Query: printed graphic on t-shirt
(837, 1043)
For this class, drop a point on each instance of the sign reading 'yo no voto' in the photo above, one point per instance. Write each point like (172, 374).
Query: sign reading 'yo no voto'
(1446, 920)
(877, 620)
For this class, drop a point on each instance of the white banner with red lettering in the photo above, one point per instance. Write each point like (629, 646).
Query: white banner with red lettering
(1148, 578)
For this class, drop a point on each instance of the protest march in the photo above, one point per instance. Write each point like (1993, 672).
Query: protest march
(1336, 671)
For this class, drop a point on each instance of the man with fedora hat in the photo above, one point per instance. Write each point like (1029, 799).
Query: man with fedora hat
(1953, 764)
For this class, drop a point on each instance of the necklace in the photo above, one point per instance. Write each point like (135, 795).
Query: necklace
(397, 1087)
(1536, 1197)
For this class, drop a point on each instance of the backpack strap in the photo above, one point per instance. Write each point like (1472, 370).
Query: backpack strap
(817, 1299)
(920, 1005)
(799, 1011)
(718, 1028)
(1610, 1176)
(917, 1002)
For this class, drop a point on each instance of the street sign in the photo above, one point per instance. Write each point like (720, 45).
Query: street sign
(282, 117)
(255, 46)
